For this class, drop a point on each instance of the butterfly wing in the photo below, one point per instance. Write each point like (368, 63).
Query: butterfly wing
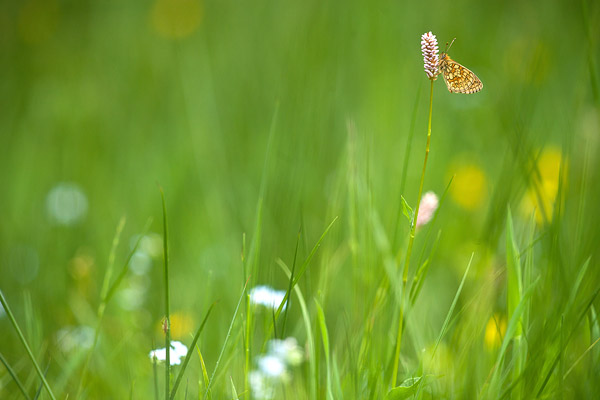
(459, 79)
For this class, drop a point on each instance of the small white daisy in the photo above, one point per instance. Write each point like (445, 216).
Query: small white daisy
(178, 351)
(267, 296)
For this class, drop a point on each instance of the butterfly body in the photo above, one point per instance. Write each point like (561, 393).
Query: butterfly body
(458, 79)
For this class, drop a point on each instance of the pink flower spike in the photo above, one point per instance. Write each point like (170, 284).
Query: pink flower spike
(429, 48)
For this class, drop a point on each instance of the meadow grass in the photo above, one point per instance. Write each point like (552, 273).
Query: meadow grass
(288, 142)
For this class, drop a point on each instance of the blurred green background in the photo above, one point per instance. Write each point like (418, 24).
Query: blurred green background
(102, 102)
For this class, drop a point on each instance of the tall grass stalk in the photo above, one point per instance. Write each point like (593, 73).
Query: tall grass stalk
(410, 245)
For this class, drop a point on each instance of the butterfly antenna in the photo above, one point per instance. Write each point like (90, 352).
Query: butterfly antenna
(449, 45)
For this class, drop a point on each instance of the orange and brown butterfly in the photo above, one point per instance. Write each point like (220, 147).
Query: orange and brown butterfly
(458, 79)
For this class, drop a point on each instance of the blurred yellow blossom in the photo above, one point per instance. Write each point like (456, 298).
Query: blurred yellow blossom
(182, 325)
(469, 186)
(81, 264)
(176, 19)
(494, 331)
(38, 20)
(543, 188)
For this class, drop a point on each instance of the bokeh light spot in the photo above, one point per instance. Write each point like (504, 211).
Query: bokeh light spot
(66, 203)
(72, 338)
(140, 263)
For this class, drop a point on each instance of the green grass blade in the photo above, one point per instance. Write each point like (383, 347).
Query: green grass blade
(560, 352)
(111, 258)
(115, 285)
(451, 310)
(291, 281)
(528, 266)
(308, 329)
(595, 330)
(514, 291)
(336, 381)
(577, 284)
(304, 266)
(233, 391)
(511, 330)
(513, 270)
(407, 153)
(204, 371)
(14, 376)
(41, 386)
(12, 319)
(580, 358)
(254, 252)
(190, 352)
(211, 382)
(421, 273)
(325, 337)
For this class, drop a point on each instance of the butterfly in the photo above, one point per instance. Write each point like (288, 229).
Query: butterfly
(458, 79)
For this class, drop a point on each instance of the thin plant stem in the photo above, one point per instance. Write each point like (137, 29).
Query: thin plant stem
(410, 246)
(167, 324)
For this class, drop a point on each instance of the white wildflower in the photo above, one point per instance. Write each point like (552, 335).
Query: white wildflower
(178, 351)
(262, 389)
(273, 367)
(267, 296)
(287, 350)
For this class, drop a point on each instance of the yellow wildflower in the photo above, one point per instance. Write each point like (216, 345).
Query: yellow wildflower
(541, 194)
(182, 325)
(494, 331)
(469, 186)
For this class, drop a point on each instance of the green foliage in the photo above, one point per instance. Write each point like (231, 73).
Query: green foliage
(289, 139)
(405, 390)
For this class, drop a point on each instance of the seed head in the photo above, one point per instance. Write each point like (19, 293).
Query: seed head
(429, 48)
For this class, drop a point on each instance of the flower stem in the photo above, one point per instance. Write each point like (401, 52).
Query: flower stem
(410, 246)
